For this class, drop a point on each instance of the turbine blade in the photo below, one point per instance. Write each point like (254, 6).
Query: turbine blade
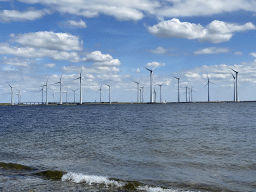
(148, 69)
(154, 68)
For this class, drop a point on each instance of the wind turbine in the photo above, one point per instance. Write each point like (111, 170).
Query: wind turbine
(234, 86)
(66, 96)
(80, 77)
(42, 94)
(155, 94)
(208, 83)
(100, 92)
(46, 85)
(160, 85)
(109, 86)
(151, 83)
(178, 78)
(11, 93)
(142, 88)
(60, 82)
(19, 100)
(138, 87)
(74, 94)
(236, 83)
(186, 93)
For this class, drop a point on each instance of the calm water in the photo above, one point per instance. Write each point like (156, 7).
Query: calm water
(166, 147)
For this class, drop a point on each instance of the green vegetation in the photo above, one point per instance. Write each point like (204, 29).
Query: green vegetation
(53, 175)
(14, 166)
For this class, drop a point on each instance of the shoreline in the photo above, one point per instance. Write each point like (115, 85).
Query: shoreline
(116, 103)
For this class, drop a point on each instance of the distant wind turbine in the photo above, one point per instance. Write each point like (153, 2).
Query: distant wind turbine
(74, 94)
(160, 85)
(53, 98)
(178, 78)
(80, 77)
(208, 83)
(19, 97)
(11, 93)
(138, 87)
(100, 92)
(142, 88)
(234, 86)
(66, 96)
(151, 83)
(46, 85)
(60, 82)
(236, 83)
(155, 94)
(109, 86)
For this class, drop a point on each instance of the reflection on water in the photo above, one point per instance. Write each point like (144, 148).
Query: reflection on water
(207, 146)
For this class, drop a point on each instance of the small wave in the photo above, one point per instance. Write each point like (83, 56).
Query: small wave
(90, 179)
(158, 189)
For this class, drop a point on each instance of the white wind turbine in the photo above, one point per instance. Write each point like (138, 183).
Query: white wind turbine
(53, 98)
(66, 96)
(155, 95)
(208, 83)
(138, 87)
(109, 88)
(46, 85)
(19, 97)
(178, 78)
(151, 82)
(60, 82)
(74, 94)
(234, 86)
(11, 93)
(80, 77)
(160, 85)
(142, 88)
(236, 83)
(100, 92)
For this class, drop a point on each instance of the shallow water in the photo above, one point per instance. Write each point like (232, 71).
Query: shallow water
(182, 147)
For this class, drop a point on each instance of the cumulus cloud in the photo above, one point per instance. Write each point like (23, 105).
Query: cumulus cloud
(253, 54)
(155, 64)
(215, 32)
(50, 65)
(238, 53)
(159, 50)
(80, 24)
(13, 15)
(32, 52)
(15, 62)
(49, 40)
(211, 50)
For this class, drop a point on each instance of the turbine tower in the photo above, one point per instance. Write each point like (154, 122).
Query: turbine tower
(155, 95)
(208, 83)
(151, 83)
(236, 84)
(178, 78)
(100, 92)
(46, 85)
(60, 82)
(11, 93)
(66, 96)
(138, 87)
(53, 98)
(160, 85)
(142, 88)
(109, 86)
(74, 94)
(80, 77)
(19, 100)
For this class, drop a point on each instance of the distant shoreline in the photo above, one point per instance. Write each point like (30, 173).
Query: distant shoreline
(116, 103)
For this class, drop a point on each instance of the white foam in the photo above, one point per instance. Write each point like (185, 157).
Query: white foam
(89, 179)
(158, 189)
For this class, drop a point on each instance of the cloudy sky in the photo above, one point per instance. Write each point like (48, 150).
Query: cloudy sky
(111, 41)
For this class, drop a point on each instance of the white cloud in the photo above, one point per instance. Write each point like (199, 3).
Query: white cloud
(80, 24)
(253, 54)
(13, 15)
(97, 56)
(50, 65)
(137, 70)
(49, 40)
(32, 52)
(215, 32)
(211, 50)
(155, 64)
(238, 53)
(159, 50)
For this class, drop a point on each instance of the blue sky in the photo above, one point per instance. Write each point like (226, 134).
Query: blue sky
(110, 42)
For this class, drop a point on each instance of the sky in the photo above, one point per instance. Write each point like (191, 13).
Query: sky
(110, 42)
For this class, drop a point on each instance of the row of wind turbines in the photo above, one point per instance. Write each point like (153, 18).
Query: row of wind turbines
(140, 97)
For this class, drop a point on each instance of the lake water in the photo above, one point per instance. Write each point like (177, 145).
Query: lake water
(159, 147)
